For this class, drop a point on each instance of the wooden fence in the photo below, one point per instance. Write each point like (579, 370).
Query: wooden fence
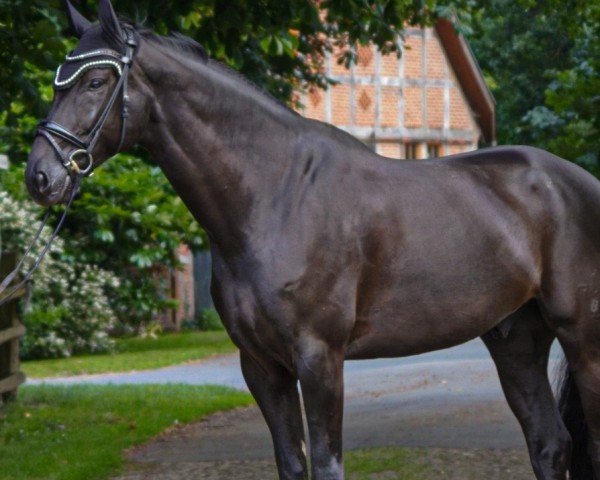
(11, 330)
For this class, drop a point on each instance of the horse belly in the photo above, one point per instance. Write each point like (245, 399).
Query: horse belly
(397, 332)
(441, 306)
(441, 276)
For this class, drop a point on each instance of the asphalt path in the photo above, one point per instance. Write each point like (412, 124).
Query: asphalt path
(449, 398)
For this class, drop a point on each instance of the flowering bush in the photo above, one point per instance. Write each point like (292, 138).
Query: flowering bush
(70, 310)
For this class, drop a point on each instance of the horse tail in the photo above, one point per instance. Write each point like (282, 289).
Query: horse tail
(571, 410)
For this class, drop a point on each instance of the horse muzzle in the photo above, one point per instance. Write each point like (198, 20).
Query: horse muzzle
(48, 182)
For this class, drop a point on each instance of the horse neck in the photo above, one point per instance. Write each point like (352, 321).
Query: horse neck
(222, 144)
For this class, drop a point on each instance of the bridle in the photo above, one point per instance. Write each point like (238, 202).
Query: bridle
(83, 148)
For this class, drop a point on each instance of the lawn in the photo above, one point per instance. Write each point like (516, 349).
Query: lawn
(385, 463)
(79, 432)
(137, 354)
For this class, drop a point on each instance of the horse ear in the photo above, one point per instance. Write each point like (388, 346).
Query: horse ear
(111, 27)
(79, 24)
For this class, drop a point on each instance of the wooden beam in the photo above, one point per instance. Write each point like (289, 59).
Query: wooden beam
(20, 292)
(409, 134)
(11, 333)
(469, 76)
(11, 383)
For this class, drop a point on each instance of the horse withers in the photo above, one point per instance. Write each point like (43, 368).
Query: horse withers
(323, 250)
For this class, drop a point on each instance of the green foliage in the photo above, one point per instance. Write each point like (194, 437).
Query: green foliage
(210, 320)
(41, 339)
(574, 96)
(31, 46)
(80, 432)
(542, 61)
(388, 463)
(70, 311)
(515, 45)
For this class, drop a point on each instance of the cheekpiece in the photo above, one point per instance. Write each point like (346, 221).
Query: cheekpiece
(76, 65)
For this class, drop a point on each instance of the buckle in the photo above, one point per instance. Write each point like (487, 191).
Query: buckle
(130, 36)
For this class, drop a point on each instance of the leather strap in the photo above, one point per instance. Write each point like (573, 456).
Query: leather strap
(60, 131)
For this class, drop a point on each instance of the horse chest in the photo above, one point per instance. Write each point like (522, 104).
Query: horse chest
(256, 322)
(267, 308)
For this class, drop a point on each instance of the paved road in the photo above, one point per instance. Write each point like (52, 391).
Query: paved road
(450, 398)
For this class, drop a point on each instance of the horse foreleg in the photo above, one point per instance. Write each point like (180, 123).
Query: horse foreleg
(320, 370)
(276, 392)
(521, 360)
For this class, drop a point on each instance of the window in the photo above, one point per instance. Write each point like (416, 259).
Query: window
(411, 151)
(433, 150)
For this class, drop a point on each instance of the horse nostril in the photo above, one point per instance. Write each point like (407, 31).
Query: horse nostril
(41, 182)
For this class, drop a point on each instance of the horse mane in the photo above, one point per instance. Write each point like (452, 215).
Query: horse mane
(192, 49)
(177, 42)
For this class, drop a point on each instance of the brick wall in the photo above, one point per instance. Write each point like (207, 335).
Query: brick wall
(390, 102)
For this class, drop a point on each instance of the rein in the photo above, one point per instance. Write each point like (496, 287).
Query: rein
(83, 151)
(6, 297)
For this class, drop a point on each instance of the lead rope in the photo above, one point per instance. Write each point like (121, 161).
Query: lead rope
(10, 277)
(26, 278)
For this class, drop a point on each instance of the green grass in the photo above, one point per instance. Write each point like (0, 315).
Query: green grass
(385, 463)
(80, 432)
(137, 354)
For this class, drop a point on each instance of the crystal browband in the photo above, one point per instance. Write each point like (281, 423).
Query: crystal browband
(114, 62)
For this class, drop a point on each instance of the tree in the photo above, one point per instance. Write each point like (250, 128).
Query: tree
(31, 46)
(574, 95)
(541, 59)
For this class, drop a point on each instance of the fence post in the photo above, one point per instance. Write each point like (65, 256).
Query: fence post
(11, 330)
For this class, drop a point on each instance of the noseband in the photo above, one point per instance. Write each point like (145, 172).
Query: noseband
(80, 161)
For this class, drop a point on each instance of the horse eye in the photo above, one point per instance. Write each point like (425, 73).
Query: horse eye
(96, 83)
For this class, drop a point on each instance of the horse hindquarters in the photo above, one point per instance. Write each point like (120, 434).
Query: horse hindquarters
(573, 313)
(521, 360)
(580, 405)
(571, 409)
(570, 299)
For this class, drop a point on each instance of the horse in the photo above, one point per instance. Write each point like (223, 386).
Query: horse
(324, 251)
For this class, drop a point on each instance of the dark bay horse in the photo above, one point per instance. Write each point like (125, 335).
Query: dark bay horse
(323, 250)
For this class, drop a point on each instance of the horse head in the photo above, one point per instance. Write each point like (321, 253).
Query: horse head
(97, 110)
